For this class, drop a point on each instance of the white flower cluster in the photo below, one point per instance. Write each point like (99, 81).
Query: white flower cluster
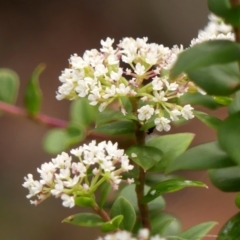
(216, 29)
(67, 179)
(134, 68)
(143, 234)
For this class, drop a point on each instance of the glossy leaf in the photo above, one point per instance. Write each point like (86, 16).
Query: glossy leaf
(223, 9)
(129, 193)
(105, 188)
(235, 104)
(33, 94)
(217, 79)
(197, 232)
(237, 200)
(208, 53)
(82, 112)
(199, 99)
(9, 82)
(229, 136)
(226, 179)
(201, 157)
(122, 207)
(112, 225)
(84, 219)
(116, 128)
(224, 101)
(172, 145)
(171, 185)
(231, 229)
(84, 201)
(209, 120)
(111, 115)
(165, 224)
(144, 156)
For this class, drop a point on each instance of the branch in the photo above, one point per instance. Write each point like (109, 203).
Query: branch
(40, 118)
(143, 208)
(101, 212)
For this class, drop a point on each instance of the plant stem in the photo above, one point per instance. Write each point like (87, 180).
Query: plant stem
(40, 118)
(101, 212)
(143, 208)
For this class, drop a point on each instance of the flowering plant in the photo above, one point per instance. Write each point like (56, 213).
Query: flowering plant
(130, 89)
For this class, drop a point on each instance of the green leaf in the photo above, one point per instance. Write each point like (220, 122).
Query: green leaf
(223, 9)
(209, 120)
(224, 101)
(229, 136)
(122, 207)
(9, 82)
(111, 115)
(237, 200)
(129, 193)
(201, 157)
(235, 104)
(126, 103)
(33, 94)
(144, 156)
(172, 145)
(199, 99)
(84, 201)
(58, 140)
(171, 185)
(226, 179)
(165, 224)
(206, 54)
(231, 229)
(105, 188)
(116, 128)
(217, 79)
(197, 232)
(82, 112)
(112, 225)
(55, 141)
(84, 219)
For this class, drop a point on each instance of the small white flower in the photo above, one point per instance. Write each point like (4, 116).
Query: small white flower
(162, 123)
(157, 84)
(116, 75)
(122, 89)
(68, 201)
(145, 112)
(143, 233)
(187, 112)
(174, 114)
(139, 69)
(133, 155)
(159, 97)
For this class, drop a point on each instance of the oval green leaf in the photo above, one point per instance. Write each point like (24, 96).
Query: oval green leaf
(122, 207)
(84, 219)
(234, 107)
(129, 193)
(82, 112)
(198, 231)
(33, 93)
(112, 225)
(231, 229)
(9, 82)
(206, 54)
(209, 120)
(116, 128)
(144, 156)
(226, 179)
(172, 145)
(171, 185)
(229, 136)
(202, 157)
(217, 79)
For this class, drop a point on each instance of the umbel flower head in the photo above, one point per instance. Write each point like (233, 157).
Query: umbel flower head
(134, 69)
(68, 179)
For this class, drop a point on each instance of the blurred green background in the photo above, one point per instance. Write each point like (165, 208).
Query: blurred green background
(49, 31)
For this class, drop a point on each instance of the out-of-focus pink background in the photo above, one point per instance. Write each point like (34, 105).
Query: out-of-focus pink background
(32, 32)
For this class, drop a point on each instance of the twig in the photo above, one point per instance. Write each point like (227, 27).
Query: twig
(103, 214)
